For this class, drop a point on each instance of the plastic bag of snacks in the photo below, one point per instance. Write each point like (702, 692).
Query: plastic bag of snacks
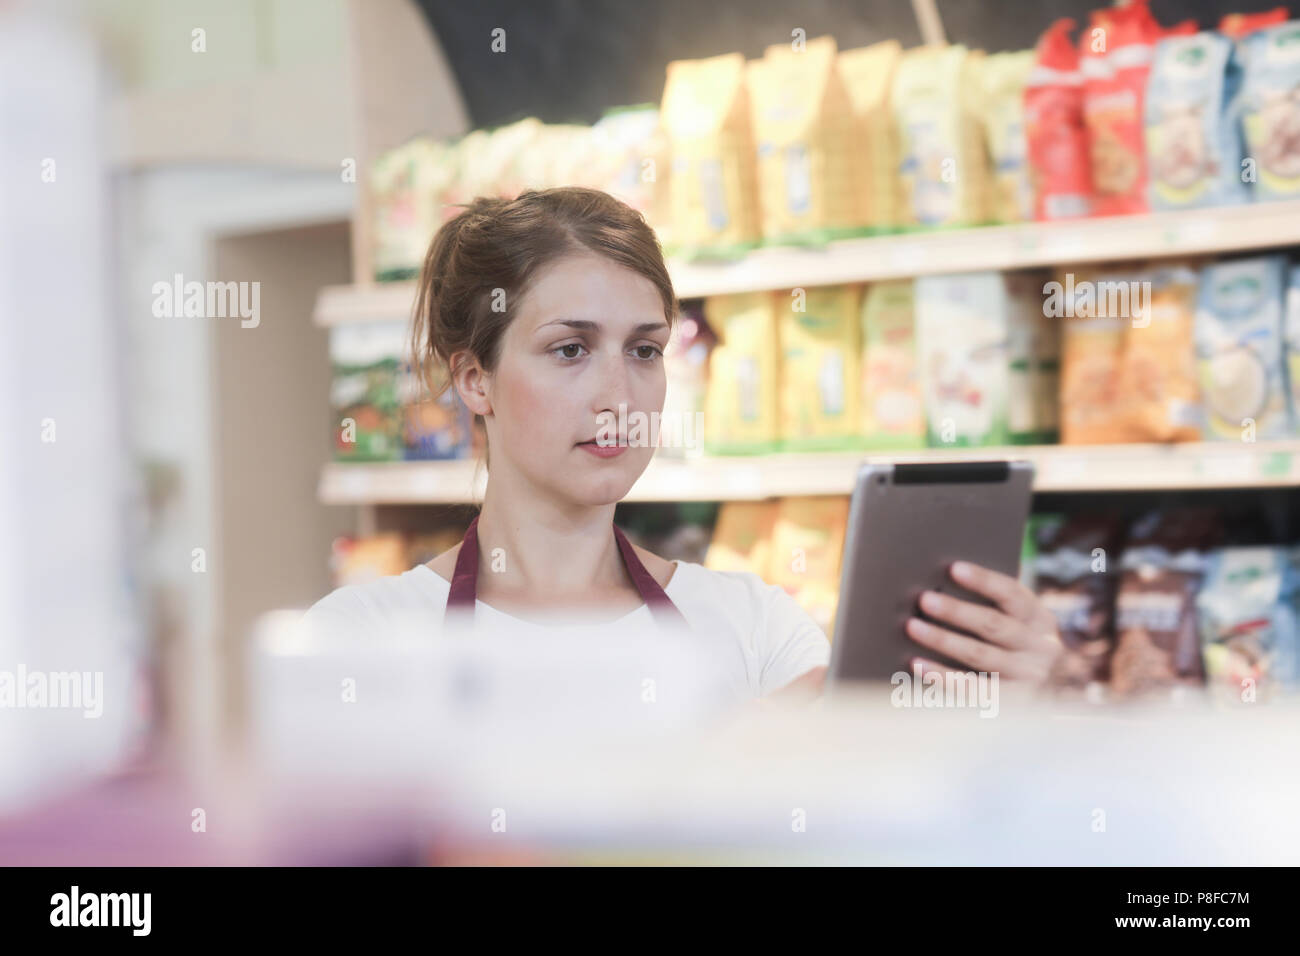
(820, 351)
(432, 428)
(803, 130)
(554, 156)
(1247, 614)
(1271, 109)
(742, 537)
(1239, 349)
(686, 366)
(1292, 345)
(1093, 334)
(961, 323)
(409, 186)
(892, 413)
(1116, 52)
(624, 160)
(868, 76)
(1157, 643)
(714, 181)
(943, 164)
(807, 544)
(1237, 25)
(1193, 137)
(1033, 347)
(1004, 76)
(743, 399)
(1056, 140)
(364, 392)
(1076, 573)
(1158, 386)
(358, 560)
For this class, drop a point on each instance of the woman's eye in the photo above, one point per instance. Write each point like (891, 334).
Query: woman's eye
(648, 352)
(564, 353)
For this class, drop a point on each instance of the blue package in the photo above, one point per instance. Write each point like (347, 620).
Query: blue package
(1193, 131)
(1270, 109)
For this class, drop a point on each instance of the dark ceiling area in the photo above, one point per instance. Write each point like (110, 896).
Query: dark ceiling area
(570, 60)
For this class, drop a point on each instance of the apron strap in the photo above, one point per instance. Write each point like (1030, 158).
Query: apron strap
(464, 580)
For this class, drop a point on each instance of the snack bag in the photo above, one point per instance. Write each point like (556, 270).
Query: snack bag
(555, 156)
(1192, 133)
(1239, 349)
(433, 428)
(409, 185)
(623, 159)
(1292, 345)
(1116, 53)
(1004, 76)
(1247, 615)
(1046, 381)
(1158, 385)
(743, 399)
(892, 413)
(1094, 319)
(364, 391)
(1157, 643)
(1237, 25)
(714, 180)
(1031, 383)
(1076, 574)
(943, 165)
(868, 75)
(820, 351)
(961, 323)
(803, 126)
(742, 537)
(807, 543)
(1056, 140)
(490, 165)
(1271, 109)
(686, 366)
(358, 560)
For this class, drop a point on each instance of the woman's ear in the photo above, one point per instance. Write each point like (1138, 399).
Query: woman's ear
(472, 383)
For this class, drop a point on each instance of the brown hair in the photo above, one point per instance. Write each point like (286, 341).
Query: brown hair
(496, 247)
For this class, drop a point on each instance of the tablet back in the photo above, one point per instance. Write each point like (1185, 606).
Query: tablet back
(907, 524)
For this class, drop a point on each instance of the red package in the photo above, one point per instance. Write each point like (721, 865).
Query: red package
(1237, 25)
(1055, 139)
(1115, 57)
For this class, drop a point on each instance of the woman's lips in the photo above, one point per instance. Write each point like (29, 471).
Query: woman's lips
(603, 451)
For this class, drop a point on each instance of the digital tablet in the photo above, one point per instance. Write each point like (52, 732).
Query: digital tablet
(907, 524)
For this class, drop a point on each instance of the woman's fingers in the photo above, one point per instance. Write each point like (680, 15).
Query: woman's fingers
(978, 655)
(1005, 591)
(988, 622)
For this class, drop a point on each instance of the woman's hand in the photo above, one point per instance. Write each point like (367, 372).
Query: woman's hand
(1021, 641)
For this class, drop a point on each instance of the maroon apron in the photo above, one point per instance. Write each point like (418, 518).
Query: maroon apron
(464, 581)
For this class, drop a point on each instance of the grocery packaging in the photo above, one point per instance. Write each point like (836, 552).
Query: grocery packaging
(1292, 345)
(358, 560)
(434, 426)
(803, 131)
(1033, 344)
(868, 77)
(490, 162)
(686, 367)
(1271, 109)
(962, 337)
(409, 187)
(1238, 25)
(552, 155)
(1076, 571)
(627, 157)
(742, 537)
(1158, 387)
(1157, 643)
(943, 164)
(807, 543)
(1095, 309)
(1115, 57)
(1193, 137)
(1239, 349)
(821, 347)
(366, 360)
(892, 413)
(1247, 615)
(1056, 139)
(1003, 114)
(713, 183)
(743, 397)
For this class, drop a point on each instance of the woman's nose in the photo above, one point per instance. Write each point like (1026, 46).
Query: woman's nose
(612, 388)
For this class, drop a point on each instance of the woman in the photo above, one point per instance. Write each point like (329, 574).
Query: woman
(551, 313)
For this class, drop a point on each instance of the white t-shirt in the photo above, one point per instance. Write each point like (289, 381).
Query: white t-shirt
(759, 635)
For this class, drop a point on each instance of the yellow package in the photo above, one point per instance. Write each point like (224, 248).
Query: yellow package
(868, 75)
(807, 545)
(943, 165)
(742, 537)
(1159, 390)
(1092, 347)
(1004, 76)
(714, 182)
(554, 156)
(409, 186)
(892, 412)
(742, 399)
(803, 132)
(820, 353)
(358, 560)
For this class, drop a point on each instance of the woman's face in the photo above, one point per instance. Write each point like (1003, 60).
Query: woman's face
(582, 359)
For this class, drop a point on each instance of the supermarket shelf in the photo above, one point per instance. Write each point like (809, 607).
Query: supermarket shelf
(1156, 235)
(1058, 468)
